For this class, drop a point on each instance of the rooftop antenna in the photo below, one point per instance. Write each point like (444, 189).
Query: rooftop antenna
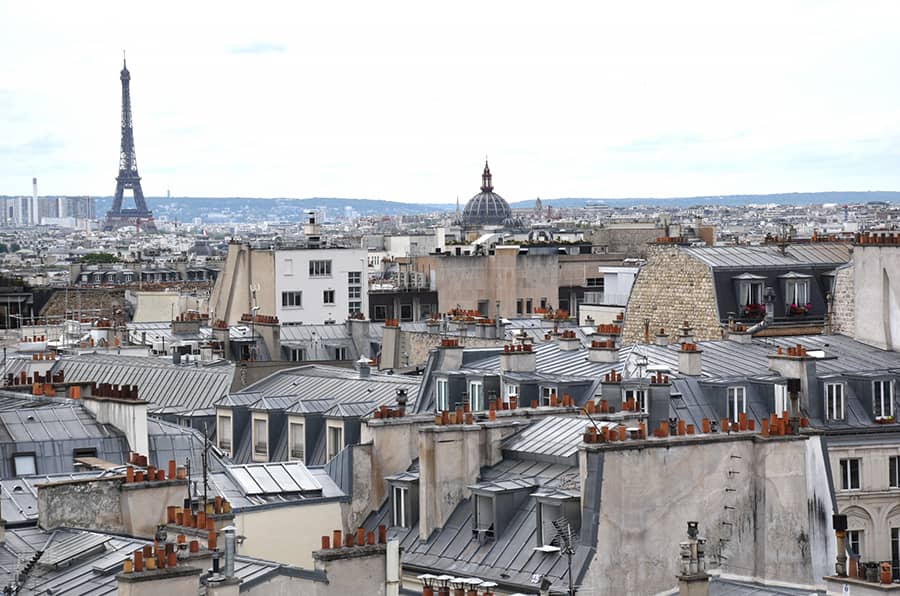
(205, 465)
(564, 535)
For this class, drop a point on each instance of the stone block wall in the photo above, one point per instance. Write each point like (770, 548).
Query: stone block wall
(670, 289)
(414, 346)
(843, 317)
(91, 302)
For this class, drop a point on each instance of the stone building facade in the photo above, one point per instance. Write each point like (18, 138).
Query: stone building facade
(843, 308)
(670, 289)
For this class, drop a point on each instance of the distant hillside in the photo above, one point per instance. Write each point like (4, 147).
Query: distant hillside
(236, 209)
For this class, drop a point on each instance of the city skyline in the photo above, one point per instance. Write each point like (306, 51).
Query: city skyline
(403, 104)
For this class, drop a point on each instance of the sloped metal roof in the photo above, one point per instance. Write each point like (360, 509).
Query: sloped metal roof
(223, 484)
(51, 423)
(169, 387)
(332, 383)
(830, 253)
(557, 436)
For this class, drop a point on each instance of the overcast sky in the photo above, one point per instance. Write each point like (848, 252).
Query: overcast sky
(402, 101)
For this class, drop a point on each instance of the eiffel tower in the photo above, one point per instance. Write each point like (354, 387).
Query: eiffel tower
(128, 177)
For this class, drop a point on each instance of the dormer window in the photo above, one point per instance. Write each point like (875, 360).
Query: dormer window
(834, 401)
(334, 439)
(737, 402)
(546, 392)
(781, 399)
(511, 391)
(484, 517)
(297, 441)
(404, 499)
(260, 437)
(442, 395)
(883, 399)
(796, 292)
(562, 507)
(224, 432)
(640, 399)
(476, 396)
(400, 506)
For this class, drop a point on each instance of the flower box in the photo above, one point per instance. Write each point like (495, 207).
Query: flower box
(798, 309)
(753, 311)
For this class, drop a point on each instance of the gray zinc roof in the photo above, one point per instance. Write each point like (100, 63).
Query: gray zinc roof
(169, 387)
(831, 253)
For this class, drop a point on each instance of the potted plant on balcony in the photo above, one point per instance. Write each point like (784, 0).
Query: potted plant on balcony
(753, 311)
(884, 419)
(799, 309)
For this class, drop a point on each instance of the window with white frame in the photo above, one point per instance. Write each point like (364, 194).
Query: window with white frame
(298, 441)
(24, 464)
(594, 282)
(296, 354)
(400, 498)
(854, 542)
(354, 307)
(640, 399)
(883, 398)
(224, 433)
(442, 395)
(328, 297)
(320, 268)
(834, 401)
(781, 399)
(546, 392)
(335, 440)
(737, 402)
(260, 436)
(292, 299)
(510, 391)
(340, 353)
(849, 474)
(476, 396)
(354, 292)
(894, 471)
(750, 292)
(797, 292)
(354, 278)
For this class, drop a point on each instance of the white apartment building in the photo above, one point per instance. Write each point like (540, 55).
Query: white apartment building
(310, 286)
(320, 285)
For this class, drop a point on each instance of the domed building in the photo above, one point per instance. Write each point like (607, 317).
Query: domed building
(487, 208)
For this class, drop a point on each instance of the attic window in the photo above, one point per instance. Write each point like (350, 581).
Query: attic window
(561, 507)
(484, 517)
(24, 464)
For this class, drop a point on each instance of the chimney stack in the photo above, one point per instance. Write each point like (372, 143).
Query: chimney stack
(690, 361)
(693, 580)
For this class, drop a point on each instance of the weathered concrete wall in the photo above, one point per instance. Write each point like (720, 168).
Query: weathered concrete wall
(415, 346)
(843, 318)
(760, 504)
(354, 570)
(231, 297)
(178, 581)
(450, 459)
(632, 241)
(877, 297)
(287, 534)
(363, 487)
(108, 504)
(95, 505)
(670, 289)
(506, 276)
(394, 446)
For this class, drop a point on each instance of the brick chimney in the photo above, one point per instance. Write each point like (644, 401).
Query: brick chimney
(603, 351)
(795, 363)
(568, 341)
(160, 574)
(450, 354)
